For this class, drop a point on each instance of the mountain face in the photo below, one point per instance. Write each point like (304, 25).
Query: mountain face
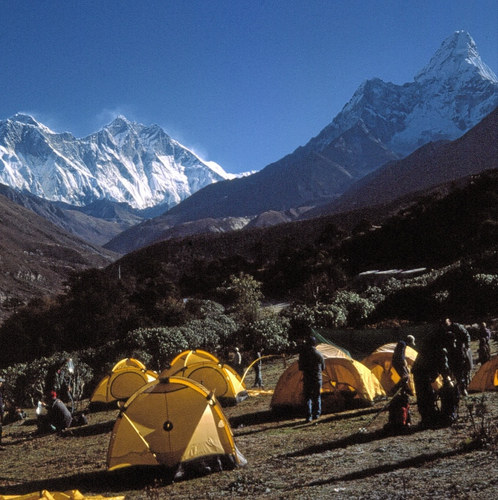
(451, 94)
(380, 123)
(37, 257)
(96, 223)
(431, 165)
(124, 162)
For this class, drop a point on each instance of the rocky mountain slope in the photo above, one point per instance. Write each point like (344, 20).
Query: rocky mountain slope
(37, 257)
(431, 165)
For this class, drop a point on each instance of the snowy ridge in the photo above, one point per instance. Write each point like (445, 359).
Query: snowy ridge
(450, 95)
(124, 162)
(457, 56)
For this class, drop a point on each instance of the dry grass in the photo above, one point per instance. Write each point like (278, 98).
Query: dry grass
(286, 458)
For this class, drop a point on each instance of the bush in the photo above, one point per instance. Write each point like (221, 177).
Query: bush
(27, 383)
(356, 308)
(270, 333)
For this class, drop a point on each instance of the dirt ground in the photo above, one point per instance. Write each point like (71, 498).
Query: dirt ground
(287, 458)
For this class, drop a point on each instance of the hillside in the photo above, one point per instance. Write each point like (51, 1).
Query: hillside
(37, 257)
(429, 166)
(433, 214)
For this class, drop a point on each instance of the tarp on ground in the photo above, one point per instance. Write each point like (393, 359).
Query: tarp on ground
(346, 383)
(170, 422)
(58, 495)
(126, 377)
(486, 378)
(379, 362)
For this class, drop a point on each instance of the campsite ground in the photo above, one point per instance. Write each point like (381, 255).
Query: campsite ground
(286, 457)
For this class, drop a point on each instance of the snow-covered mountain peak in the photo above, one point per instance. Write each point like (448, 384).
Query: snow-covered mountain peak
(25, 119)
(123, 162)
(456, 58)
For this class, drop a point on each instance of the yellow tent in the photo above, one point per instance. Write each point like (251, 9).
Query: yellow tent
(58, 495)
(172, 422)
(126, 377)
(194, 356)
(346, 383)
(486, 378)
(379, 362)
(220, 378)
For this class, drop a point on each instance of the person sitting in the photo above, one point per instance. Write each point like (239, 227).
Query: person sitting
(58, 417)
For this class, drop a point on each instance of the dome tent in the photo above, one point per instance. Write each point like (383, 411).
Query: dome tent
(152, 429)
(190, 357)
(379, 363)
(126, 377)
(205, 369)
(346, 383)
(486, 378)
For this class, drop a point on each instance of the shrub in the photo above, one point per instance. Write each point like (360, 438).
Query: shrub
(270, 333)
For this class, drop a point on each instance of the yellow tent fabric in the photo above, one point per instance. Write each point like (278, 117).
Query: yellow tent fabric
(58, 495)
(332, 351)
(169, 422)
(379, 362)
(127, 376)
(344, 379)
(220, 378)
(486, 378)
(193, 356)
(128, 363)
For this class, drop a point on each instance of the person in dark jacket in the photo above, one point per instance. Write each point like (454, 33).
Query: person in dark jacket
(431, 362)
(459, 354)
(58, 416)
(311, 363)
(484, 349)
(399, 358)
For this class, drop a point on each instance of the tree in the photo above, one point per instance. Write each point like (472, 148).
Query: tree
(242, 296)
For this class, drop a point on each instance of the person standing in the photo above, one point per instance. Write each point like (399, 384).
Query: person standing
(238, 361)
(432, 361)
(258, 377)
(484, 349)
(461, 363)
(312, 364)
(399, 358)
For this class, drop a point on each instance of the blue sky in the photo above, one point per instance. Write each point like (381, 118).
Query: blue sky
(241, 82)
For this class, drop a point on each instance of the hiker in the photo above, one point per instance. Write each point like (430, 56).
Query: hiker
(459, 354)
(399, 362)
(431, 362)
(258, 377)
(238, 361)
(450, 398)
(484, 350)
(58, 416)
(311, 363)
(2, 407)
